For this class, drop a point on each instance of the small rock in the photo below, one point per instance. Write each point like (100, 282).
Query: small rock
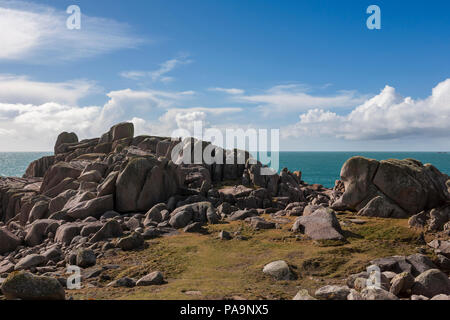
(110, 215)
(372, 293)
(332, 292)
(260, 223)
(224, 235)
(133, 241)
(122, 282)
(196, 227)
(441, 297)
(86, 258)
(352, 278)
(107, 246)
(303, 295)
(389, 275)
(53, 254)
(154, 278)
(444, 262)
(30, 261)
(111, 229)
(151, 233)
(354, 295)
(279, 270)
(360, 283)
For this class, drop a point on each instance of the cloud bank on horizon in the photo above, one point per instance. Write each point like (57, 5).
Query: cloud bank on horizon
(36, 123)
(35, 109)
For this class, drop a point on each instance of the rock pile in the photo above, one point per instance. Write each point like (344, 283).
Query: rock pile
(97, 196)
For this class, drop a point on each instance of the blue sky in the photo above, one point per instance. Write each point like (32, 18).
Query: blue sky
(309, 68)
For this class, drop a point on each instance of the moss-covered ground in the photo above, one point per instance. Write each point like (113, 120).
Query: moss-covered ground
(200, 266)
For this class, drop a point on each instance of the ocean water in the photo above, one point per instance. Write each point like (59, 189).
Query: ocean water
(325, 167)
(14, 164)
(316, 167)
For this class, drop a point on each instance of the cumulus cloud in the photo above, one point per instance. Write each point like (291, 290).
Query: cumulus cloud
(161, 73)
(37, 33)
(182, 118)
(125, 103)
(21, 89)
(291, 98)
(387, 115)
(27, 127)
(34, 126)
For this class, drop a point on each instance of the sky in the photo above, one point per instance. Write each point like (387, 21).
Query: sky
(311, 69)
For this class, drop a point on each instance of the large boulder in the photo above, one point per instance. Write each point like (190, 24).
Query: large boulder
(37, 231)
(420, 263)
(401, 283)
(108, 186)
(391, 188)
(111, 229)
(57, 204)
(431, 283)
(58, 172)
(30, 261)
(8, 241)
(65, 138)
(91, 208)
(118, 132)
(321, 225)
(39, 167)
(154, 214)
(66, 232)
(144, 182)
(197, 212)
(39, 211)
(25, 286)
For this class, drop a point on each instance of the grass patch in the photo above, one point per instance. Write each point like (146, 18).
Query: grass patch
(224, 269)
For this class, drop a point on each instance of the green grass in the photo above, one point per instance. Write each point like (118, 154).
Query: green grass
(224, 269)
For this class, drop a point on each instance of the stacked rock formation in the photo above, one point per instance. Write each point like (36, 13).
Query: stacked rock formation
(71, 208)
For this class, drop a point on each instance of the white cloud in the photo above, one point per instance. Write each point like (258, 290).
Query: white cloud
(35, 126)
(26, 127)
(291, 98)
(385, 116)
(124, 103)
(21, 89)
(183, 118)
(38, 34)
(232, 91)
(159, 74)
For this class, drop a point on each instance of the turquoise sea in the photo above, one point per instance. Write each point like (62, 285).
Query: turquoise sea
(317, 167)
(14, 164)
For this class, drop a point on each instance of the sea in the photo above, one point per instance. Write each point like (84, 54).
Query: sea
(316, 167)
